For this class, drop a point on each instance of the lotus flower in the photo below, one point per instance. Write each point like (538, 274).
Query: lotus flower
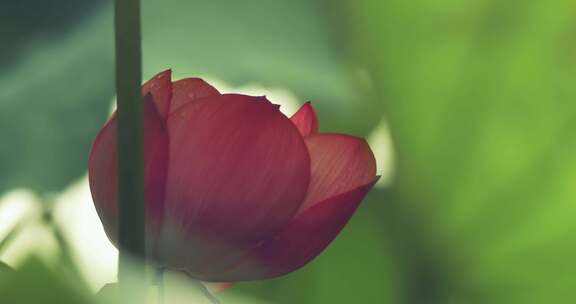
(234, 190)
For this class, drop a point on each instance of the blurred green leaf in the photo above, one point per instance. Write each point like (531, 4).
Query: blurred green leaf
(8, 237)
(5, 267)
(34, 282)
(53, 100)
(479, 96)
(25, 21)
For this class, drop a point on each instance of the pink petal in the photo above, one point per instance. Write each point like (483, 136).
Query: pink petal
(156, 145)
(306, 120)
(238, 172)
(103, 172)
(218, 287)
(103, 177)
(340, 163)
(306, 236)
(190, 89)
(160, 86)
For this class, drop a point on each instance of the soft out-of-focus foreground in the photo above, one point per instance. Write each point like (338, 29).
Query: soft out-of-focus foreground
(469, 106)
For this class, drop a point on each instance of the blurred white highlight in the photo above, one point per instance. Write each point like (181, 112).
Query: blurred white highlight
(381, 143)
(287, 100)
(94, 254)
(21, 207)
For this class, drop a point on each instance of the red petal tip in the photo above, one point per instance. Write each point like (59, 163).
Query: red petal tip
(306, 120)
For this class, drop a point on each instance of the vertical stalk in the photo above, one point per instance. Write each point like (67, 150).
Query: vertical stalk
(209, 296)
(160, 285)
(130, 142)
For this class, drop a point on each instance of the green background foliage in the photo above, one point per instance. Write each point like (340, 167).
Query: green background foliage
(478, 96)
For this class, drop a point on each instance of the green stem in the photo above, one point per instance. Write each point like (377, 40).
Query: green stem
(130, 142)
(209, 296)
(160, 284)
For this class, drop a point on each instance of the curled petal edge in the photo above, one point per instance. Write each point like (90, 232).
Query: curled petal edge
(306, 120)
(304, 238)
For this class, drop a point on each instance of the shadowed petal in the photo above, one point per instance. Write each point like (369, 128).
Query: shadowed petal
(340, 163)
(102, 175)
(306, 236)
(103, 172)
(238, 172)
(306, 120)
(160, 86)
(190, 89)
